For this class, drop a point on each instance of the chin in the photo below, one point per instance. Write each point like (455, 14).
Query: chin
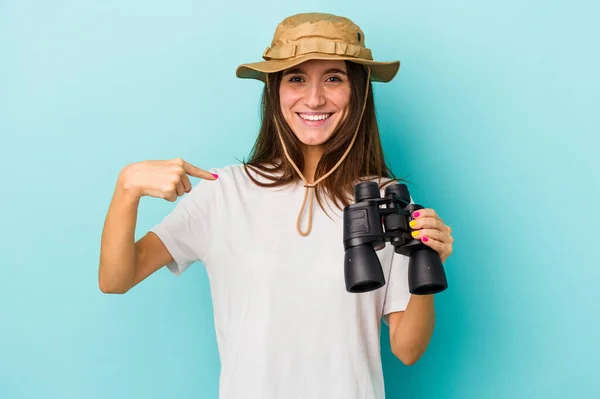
(313, 139)
(314, 136)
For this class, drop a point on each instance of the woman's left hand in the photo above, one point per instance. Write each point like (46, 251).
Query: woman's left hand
(431, 230)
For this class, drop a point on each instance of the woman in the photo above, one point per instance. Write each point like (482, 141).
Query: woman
(286, 326)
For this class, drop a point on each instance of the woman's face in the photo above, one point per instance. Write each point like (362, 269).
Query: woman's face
(314, 98)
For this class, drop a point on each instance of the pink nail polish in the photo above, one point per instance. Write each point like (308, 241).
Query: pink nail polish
(416, 214)
(425, 239)
(216, 176)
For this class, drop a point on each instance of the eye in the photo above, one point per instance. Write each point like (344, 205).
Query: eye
(334, 79)
(295, 79)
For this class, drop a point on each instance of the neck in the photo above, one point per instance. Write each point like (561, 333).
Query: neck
(312, 155)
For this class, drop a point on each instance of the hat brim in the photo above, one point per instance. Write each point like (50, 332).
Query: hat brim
(380, 71)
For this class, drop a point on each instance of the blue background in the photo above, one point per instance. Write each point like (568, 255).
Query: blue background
(493, 118)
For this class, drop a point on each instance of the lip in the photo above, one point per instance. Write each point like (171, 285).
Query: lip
(314, 123)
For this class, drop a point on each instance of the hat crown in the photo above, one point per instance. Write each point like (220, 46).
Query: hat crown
(317, 36)
(317, 25)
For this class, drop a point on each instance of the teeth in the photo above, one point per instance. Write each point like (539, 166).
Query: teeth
(315, 117)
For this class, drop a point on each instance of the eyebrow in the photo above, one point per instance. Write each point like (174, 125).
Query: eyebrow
(300, 71)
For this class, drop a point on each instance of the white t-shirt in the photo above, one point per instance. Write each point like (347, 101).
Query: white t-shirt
(286, 327)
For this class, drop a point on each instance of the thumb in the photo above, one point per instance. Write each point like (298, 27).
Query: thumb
(197, 172)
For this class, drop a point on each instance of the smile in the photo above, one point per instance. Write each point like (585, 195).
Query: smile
(315, 117)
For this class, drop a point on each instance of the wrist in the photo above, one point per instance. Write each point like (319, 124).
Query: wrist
(125, 190)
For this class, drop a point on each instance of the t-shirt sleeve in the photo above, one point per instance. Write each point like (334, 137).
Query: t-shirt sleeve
(185, 231)
(397, 294)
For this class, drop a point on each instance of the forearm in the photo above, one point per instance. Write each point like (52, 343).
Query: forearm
(414, 332)
(117, 252)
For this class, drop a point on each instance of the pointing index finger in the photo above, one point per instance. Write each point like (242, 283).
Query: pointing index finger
(197, 172)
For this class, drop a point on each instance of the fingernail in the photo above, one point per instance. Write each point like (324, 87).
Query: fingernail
(216, 176)
(415, 234)
(413, 223)
(416, 214)
(424, 239)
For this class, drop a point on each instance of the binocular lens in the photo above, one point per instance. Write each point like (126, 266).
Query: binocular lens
(363, 271)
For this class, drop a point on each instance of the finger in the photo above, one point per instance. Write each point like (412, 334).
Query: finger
(197, 172)
(169, 190)
(423, 213)
(187, 186)
(170, 195)
(180, 189)
(444, 250)
(431, 234)
(427, 223)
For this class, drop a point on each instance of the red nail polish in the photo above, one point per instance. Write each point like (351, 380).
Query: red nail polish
(425, 239)
(416, 214)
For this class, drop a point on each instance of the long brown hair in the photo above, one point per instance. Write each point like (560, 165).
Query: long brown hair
(364, 161)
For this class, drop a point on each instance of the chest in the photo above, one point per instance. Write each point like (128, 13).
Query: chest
(259, 242)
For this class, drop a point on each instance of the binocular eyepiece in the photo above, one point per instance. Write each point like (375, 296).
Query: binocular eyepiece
(374, 220)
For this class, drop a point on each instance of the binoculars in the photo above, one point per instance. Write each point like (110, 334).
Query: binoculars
(374, 220)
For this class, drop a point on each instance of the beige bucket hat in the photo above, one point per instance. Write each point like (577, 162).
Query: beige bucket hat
(317, 36)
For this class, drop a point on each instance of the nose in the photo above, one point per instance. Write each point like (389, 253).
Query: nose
(315, 96)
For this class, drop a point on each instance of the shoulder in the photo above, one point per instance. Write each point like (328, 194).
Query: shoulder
(228, 175)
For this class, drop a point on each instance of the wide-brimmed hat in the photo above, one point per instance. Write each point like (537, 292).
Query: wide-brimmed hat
(317, 36)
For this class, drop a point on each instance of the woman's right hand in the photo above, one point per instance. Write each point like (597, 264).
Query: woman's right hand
(160, 179)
